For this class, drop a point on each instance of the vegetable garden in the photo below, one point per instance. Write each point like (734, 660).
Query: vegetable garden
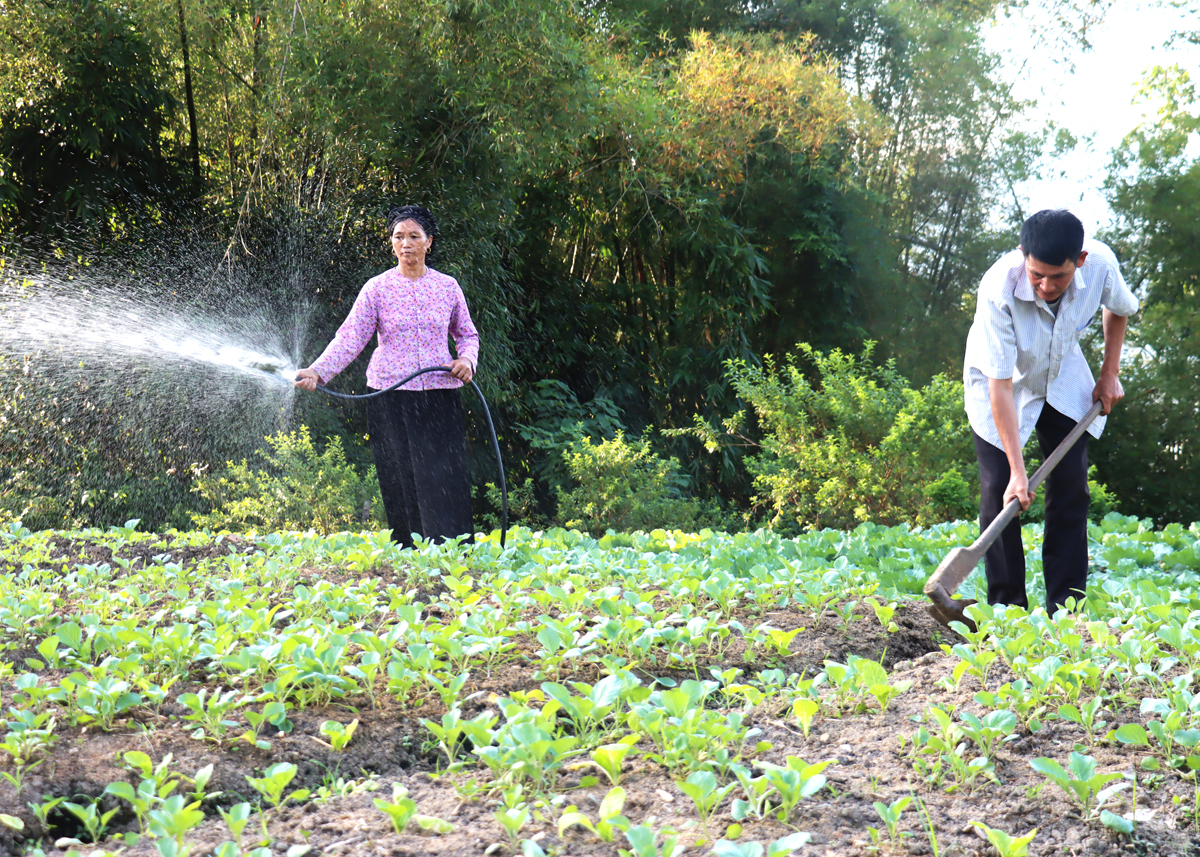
(649, 694)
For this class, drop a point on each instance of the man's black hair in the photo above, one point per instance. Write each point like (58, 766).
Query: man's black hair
(1052, 236)
(414, 212)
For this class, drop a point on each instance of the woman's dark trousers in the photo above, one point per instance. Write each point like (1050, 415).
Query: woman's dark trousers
(420, 452)
(1064, 545)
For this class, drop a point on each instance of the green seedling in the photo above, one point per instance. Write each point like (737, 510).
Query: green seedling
(995, 727)
(401, 809)
(449, 733)
(526, 752)
(1006, 845)
(884, 613)
(706, 793)
(512, 820)
(211, 712)
(974, 662)
(24, 743)
(274, 713)
(449, 691)
(171, 822)
(805, 709)
(944, 747)
(595, 705)
(779, 641)
(890, 814)
(339, 735)
(609, 757)
(884, 693)
(42, 809)
(236, 818)
(643, 842)
(94, 820)
(103, 700)
(366, 672)
(1080, 781)
(274, 780)
(1085, 716)
(794, 782)
(609, 819)
(845, 611)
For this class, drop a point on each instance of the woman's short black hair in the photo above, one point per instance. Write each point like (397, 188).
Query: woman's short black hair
(412, 212)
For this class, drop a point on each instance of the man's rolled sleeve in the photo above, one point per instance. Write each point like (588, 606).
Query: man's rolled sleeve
(997, 355)
(1117, 297)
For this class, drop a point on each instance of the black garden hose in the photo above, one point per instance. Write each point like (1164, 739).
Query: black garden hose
(487, 412)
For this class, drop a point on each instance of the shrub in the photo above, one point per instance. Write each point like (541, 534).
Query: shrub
(558, 420)
(857, 445)
(623, 485)
(523, 506)
(300, 488)
(1102, 502)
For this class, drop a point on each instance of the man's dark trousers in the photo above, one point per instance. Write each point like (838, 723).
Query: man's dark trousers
(1064, 545)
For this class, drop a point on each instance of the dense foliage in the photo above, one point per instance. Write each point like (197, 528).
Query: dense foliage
(1154, 455)
(694, 183)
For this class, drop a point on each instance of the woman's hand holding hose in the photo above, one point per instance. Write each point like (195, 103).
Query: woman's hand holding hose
(307, 379)
(462, 370)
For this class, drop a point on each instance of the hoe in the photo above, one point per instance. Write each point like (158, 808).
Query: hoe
(960, 562)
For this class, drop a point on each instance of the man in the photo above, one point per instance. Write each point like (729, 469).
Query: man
(1024, 371)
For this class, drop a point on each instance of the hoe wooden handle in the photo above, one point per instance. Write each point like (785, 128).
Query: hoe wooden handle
(960, 562)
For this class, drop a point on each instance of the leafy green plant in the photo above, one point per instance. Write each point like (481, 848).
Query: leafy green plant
(211, 711)
(805, 710)
(402, 810)
(511, 820)
(339, 734)
(1085, 716)
(236, 818)
(29, 738)
(299, 487)
(1006, 845)
(622, 484)
(609, 757)
(890, 814)
(170, 823)
(1080, 781)
(778, 848)
(706, 793)
(90, 815)
(643, 842)
(608, 818)
(274, 781)
(993, 728)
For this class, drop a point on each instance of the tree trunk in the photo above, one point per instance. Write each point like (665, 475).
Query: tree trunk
(193, 132)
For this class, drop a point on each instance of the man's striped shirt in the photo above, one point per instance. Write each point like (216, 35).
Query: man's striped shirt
(1016, 335)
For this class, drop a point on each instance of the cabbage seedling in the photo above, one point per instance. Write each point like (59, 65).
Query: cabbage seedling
(339, 735)
(609, 819)
(1006, 845)
(1080, 782)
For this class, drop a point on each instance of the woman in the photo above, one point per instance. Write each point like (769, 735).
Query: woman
(417, 436)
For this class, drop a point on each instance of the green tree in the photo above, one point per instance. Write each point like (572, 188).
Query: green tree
(82, 111)
(1151, 450)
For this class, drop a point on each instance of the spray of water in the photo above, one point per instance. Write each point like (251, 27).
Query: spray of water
(159, 370)
(109, 329)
